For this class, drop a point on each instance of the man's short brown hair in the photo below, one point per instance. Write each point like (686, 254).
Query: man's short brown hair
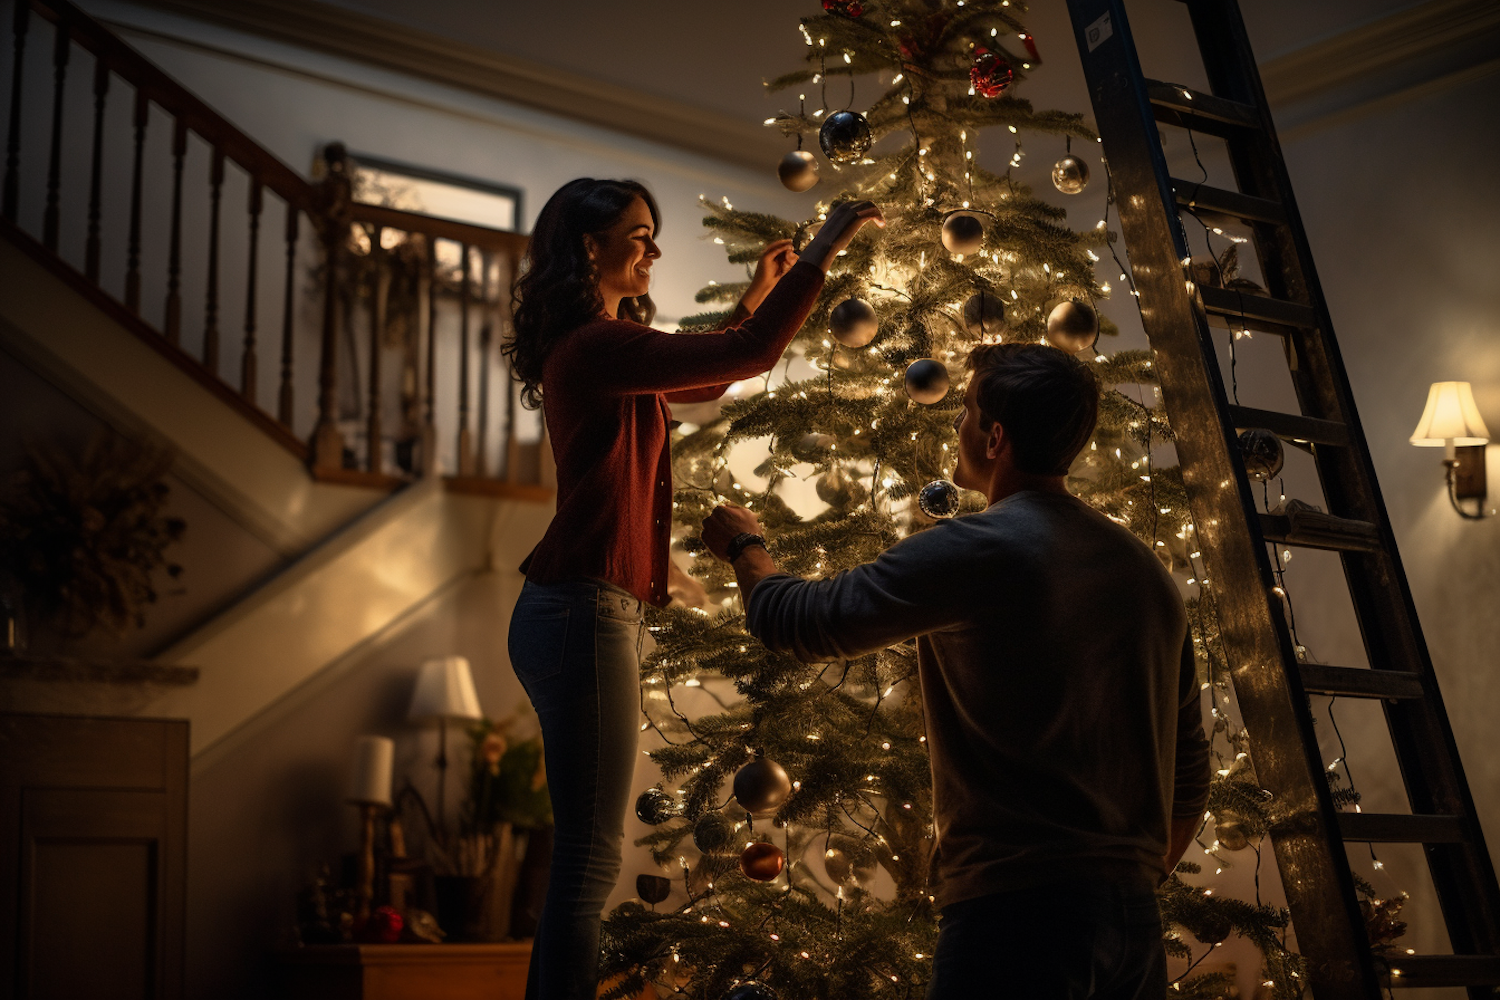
(1047, 401)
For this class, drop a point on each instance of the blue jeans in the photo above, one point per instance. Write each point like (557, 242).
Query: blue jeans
(1069, 940)
(576, 648)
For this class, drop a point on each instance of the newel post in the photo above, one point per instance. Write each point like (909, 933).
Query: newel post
(332, 219)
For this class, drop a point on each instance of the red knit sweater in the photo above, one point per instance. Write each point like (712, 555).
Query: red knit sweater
(606, 389)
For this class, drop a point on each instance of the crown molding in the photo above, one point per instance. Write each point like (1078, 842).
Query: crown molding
(1414, 49)
(374, 41)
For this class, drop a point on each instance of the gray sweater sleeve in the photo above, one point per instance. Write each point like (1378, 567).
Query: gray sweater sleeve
(1191, 791)
(915, 586)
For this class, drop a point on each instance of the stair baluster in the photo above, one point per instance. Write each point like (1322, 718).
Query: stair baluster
(13, 135)
(96, 171)
(465, 434)
(133, 247)
(285, 399)
(380, 284)
(173, 325)
(61, 47)
(248, 360)
(211, 302)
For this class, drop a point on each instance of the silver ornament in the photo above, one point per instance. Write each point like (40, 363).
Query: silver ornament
(751, 991)
(927, 381)
(1261, 452)
(713, 833)
(812, 447)
(1070, 175)
(761, 785)
(984, 314)
(655, 807)
(837, 488)
(1073, 326)
(798, 170)
(845, 136)
(1230, 834)
(963, 232)
(853, 323)
(938, 499)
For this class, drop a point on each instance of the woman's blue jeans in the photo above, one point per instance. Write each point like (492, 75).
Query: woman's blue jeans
(1094, 939)
(576, 648)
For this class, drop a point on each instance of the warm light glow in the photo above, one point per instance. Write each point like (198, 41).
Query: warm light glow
(1451, 418)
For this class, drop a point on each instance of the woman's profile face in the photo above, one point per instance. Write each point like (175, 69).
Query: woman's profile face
(623, 253)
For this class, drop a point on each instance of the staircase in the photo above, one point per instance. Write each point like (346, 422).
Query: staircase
(326, 370)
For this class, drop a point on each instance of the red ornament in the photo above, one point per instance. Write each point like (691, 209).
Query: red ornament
(762, 861)
(990, 74)
(382, 926)
(1029, 40)
(849, 8)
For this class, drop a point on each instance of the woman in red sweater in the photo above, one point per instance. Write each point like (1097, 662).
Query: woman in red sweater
(581, 309)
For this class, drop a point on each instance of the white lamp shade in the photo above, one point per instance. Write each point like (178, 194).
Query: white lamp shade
(445, 690)
(1451, 416)
(371, 781)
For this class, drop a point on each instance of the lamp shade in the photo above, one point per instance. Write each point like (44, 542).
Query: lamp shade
(371, 780)
(445, 690)
(1451, 416)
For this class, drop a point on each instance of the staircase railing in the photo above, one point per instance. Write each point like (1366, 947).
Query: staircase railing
(392, 315)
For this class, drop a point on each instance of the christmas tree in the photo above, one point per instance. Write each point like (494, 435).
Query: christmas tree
(796, 815)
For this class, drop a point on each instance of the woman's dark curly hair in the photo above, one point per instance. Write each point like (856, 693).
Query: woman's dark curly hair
(558, 288)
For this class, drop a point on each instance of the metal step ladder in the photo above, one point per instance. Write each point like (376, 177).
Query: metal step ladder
(1270, 684)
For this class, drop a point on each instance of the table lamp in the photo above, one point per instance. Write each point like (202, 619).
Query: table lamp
(445, 690)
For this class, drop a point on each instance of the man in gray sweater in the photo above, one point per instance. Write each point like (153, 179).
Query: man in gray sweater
(1069, 764)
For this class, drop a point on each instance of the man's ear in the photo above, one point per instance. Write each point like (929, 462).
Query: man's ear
(997, 442)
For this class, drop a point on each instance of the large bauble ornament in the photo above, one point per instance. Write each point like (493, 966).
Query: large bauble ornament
(927, 381)
(1261, 452)
(853, 323)
(654, 807)
(849, 8)
(1214, 928)
(1073, 326)
(813, 447)
(1230, 833)
(762, 861)
(713, 833)
(845, 136)
(841, 868)
(984, 314)
(963, 232)
(761, 785)
(798, 170)
(837, 488)
(653, 888)
(990, 74)
(751, 991)
(938, 499)
(1070, 175)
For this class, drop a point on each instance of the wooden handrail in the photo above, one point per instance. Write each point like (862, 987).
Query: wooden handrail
(478, 237)
(178, 101)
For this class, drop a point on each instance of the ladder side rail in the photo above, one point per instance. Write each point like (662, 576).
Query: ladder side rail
(1426, 752)
(1315, 870)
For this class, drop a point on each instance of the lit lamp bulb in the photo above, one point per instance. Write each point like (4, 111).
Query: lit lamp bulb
(1451, 421)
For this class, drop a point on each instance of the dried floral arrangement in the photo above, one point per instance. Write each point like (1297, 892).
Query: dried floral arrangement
(82, 535)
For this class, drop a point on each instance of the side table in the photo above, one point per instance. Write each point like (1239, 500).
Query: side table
(407, 971)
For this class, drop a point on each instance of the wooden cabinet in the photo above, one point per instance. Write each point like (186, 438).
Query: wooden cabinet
(93, 857)
(408, 971)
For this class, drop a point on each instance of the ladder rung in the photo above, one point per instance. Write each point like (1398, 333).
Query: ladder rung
(1257, 312)
(1177, 105)
(1321, 532)
(1359, 683)
(1400, 828)
(1442, 970)
(1291, 426)
(1201, 197)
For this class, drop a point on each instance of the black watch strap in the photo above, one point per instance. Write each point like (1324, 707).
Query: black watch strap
(739, 543)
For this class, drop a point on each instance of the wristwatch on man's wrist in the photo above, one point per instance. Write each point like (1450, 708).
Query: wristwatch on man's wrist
(739, 543)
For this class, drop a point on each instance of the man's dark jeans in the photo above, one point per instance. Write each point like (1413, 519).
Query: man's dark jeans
(1069, 940)
(576, 648)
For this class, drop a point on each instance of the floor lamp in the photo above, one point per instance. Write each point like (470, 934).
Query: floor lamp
(445, 690)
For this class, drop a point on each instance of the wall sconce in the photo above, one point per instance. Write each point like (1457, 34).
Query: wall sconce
(1452, 421)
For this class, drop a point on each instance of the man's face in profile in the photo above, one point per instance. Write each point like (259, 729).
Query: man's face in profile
(971, 472)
